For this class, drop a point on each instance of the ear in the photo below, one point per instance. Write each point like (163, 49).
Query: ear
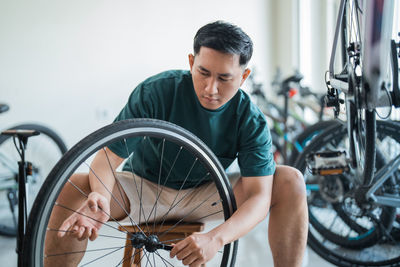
(245, 74)
(191, 61)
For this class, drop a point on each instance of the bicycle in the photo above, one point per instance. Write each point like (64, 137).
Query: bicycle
(290, 132)
(43, 152)
(352, 168)
(150, 135)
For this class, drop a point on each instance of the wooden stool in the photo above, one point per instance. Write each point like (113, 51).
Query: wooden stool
(175, 234)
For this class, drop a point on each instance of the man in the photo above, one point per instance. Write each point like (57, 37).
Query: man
(208, 102)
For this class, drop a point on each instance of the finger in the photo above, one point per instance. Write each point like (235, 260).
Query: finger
(80, 232)
(190, 259)
(92, 203)
(178, 247)
(196, 263)
(87, 233)
(184, 253)
(64, 228)
(94, 235)
(102, 202)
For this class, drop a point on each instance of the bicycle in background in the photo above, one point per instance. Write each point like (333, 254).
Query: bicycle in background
(290, 131)
(43, 152)
(352, 169)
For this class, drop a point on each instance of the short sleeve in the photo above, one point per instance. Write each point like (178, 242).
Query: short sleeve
(139, 105)
(255, 157)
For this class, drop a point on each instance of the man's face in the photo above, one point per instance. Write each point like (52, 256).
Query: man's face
(216, 76)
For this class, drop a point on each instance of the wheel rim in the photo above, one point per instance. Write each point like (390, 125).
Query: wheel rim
(149, 131)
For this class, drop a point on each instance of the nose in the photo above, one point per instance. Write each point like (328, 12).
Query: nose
(211, 86)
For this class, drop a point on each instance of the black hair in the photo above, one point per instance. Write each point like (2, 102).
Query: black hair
(226, 38)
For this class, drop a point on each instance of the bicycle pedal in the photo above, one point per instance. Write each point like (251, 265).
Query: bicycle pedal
(328, 163)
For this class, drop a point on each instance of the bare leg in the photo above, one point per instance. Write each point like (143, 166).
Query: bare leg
(288, 222)
(72, 198)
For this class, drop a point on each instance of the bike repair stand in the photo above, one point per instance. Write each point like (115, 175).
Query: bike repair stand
(24, 169)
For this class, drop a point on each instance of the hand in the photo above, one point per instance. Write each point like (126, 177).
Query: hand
(196, 249)
(95, 208)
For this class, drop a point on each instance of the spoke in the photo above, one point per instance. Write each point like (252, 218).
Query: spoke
(102, 257)
(180, 223)
(134, 180)
(109, 215)
(174, 205)
(82, 251)
(119, 187)
(147, 256)
(116, 200)
(100, 235)
(165, 181)
(206, 216)
(158, 185)
(332, 223)
(187, 215)
(103, 223)
(141, 187)
(130, 257)
(164, 260)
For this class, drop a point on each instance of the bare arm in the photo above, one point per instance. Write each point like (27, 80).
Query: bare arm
(253, 195)
(93, 212)
(102, 172)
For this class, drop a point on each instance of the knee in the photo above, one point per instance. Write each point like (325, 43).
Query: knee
(289, 182)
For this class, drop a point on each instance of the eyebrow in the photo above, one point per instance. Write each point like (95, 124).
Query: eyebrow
(227, 75)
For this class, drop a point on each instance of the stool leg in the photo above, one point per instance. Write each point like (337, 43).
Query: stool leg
(138, 257)
(127, 253)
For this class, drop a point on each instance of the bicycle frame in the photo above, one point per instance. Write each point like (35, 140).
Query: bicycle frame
(381, 176)
(377, 25)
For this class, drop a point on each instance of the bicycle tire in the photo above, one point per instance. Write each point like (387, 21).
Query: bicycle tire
(134, 128)
(48, 139)
(323, 235)
(362, 121)
(303, 139)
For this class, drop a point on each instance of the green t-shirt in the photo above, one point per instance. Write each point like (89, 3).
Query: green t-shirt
(238, 129)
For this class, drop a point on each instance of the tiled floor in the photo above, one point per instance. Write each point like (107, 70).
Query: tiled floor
(253, 251)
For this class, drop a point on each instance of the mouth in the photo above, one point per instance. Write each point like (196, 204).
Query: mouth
(210, 99)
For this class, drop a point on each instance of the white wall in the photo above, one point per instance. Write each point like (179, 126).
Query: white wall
(72, 64)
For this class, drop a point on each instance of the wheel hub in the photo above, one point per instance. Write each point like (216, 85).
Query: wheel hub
(150, 243)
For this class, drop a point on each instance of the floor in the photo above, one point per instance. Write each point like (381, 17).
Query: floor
(253, 251)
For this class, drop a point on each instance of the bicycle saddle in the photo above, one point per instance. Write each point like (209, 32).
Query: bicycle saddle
(4, 108)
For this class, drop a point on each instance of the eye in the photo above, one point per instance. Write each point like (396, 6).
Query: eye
(204, 73)
(222, 79)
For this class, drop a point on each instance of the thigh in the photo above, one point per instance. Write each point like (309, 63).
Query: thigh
(151, 202)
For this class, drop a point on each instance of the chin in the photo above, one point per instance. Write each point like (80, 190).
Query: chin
(211, 106)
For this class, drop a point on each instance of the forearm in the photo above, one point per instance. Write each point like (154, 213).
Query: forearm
(102, 172)
(246, 217)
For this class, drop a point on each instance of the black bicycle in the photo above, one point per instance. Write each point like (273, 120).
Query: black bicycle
(352, 169)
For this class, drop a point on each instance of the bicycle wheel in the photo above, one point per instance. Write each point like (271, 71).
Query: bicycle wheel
(361, 118)
(43, 152)
(175, 145)
(344, 228)
(304, 138)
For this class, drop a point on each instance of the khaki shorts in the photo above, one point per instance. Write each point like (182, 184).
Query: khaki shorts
(201, 204)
